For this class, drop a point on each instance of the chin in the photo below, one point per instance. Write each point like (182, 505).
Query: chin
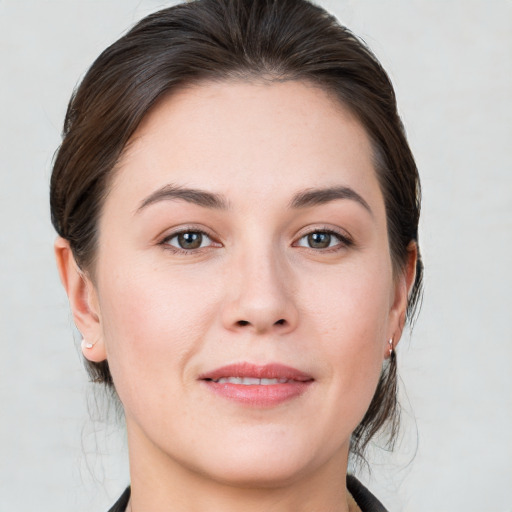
(260, 463)
(259, 473)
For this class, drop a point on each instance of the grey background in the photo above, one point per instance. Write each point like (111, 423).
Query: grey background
(451, 63)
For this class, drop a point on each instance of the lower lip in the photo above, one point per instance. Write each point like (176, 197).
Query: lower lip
(259, 395)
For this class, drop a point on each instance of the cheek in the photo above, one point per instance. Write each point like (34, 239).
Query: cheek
(152, 325)
(352, 304)
(350, 323)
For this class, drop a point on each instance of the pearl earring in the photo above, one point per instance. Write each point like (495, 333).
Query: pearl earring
(86, 344)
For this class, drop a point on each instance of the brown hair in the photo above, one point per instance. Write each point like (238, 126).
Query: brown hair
(224, 40)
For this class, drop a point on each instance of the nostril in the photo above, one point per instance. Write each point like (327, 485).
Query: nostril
(243, 323)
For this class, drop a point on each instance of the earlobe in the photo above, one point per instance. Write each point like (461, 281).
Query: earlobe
(82, 300)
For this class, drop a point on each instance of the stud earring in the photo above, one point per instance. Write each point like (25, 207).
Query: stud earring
(86, 344)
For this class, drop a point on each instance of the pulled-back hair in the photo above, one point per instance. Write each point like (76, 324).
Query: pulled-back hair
(223, 40)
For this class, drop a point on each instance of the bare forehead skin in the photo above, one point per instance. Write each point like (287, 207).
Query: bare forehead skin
(316, 105)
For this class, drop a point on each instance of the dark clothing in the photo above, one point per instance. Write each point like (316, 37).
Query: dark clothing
(122, 502)
(366, 501)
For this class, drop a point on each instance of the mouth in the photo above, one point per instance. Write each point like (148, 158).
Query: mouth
(249, 381)
(257, 385)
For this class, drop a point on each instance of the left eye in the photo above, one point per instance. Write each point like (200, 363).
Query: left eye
(189, 240)
(320, 240)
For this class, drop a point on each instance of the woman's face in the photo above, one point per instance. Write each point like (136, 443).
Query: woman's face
(243, 290)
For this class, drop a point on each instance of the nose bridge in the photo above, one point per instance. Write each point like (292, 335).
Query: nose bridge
(262, 298)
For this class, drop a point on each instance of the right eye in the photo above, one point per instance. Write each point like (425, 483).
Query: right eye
(188, 240)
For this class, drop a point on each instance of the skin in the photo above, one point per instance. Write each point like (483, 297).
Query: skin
(254, 291)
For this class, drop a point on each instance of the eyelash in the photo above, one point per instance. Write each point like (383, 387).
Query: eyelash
(344, 241)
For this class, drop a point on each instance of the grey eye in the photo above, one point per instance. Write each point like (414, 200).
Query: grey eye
(189, 240)
(319, 240)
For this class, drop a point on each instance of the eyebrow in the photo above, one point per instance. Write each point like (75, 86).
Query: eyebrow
(304, 199)
(317, 196)
(191, 195)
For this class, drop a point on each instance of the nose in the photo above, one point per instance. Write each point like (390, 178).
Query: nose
(261, 296)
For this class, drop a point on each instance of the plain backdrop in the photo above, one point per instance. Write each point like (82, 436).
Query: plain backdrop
(451, 63)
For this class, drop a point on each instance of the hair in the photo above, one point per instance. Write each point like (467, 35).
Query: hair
(223, 40)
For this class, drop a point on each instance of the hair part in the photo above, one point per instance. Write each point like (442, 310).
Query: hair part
(223, 40)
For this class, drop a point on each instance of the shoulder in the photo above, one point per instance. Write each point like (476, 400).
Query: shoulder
(122, 502)
(366, 501)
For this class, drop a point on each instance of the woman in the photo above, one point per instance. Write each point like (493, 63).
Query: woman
(237, 209)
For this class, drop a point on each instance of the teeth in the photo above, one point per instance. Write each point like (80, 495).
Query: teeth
(250, 381)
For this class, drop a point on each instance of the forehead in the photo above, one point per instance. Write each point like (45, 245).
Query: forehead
(252, 138)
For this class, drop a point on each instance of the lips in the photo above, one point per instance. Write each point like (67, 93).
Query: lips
(257, 385)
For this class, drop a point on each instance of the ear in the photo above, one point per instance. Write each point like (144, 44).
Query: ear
(83, 301)
(402, 289)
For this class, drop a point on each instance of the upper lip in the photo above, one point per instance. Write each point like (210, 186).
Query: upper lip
(267, 371)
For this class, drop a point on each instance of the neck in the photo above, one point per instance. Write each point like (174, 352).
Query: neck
(159, 482)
